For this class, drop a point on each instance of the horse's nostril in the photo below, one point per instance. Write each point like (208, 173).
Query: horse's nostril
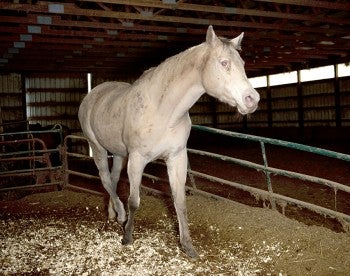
(249, 101)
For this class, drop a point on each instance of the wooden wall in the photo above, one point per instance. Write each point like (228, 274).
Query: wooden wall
(12, 103)
(324, 103)
(52, 99)
(344, 101)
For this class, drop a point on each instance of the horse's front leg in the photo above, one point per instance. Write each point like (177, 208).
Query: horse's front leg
(177, 171)
(136, 165)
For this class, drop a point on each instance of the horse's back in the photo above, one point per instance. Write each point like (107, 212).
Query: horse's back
(101, 91)
(105, 89)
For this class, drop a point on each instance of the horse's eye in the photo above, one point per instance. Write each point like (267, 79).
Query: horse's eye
(224, 63)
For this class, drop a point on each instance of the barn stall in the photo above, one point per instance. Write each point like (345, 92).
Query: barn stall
(52, 52)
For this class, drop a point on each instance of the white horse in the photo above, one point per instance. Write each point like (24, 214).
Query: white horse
(149, 120)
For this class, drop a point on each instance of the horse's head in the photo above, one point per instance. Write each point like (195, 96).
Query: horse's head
(224, 76)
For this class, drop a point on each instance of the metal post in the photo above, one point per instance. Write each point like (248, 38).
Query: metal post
(267, 174)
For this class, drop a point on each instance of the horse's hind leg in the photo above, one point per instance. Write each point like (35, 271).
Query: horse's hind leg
(101, 161)
(116, 205)
(177, 170)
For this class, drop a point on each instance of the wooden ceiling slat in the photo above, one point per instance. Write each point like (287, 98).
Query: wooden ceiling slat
(91, 35)
(313, 3)
(57, 21)
(223, 10)
(73, 10)
(46, 30)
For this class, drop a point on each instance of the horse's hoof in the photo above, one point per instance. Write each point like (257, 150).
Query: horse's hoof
(191, 252)
(126, 241)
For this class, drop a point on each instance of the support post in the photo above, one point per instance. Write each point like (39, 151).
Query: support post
(300, 107)
(337, 98)
(24, 98)
(269, 103)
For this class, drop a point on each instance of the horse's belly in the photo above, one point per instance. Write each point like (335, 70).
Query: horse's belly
(110, 138)
(160, 140)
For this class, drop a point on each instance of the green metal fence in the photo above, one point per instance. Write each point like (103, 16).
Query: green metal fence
(269, 193)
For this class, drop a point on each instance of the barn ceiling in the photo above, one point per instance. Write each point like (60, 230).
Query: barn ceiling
(125, 37)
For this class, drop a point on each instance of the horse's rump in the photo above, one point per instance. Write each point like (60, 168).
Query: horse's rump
(95, 114)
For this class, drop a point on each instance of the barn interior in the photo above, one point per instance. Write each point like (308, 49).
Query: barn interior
(297, 56)
(49, 47)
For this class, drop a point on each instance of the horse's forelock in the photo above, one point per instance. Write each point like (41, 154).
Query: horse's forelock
(225, 40)
(227, 43)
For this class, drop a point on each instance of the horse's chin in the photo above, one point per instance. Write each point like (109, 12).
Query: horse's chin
(242, 109)
(245, 111)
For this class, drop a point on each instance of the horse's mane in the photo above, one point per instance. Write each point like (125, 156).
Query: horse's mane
(172, 64)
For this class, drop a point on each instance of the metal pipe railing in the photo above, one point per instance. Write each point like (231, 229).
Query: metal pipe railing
(265, 140)
(267, 194)
(270, 170)
(36, 153)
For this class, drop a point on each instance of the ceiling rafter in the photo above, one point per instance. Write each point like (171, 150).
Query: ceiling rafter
(121, 35)
(223, 10)
(71, 9)
(57, 21)
(313, 3)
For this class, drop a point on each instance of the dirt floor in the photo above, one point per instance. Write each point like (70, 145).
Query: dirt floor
(66, 233)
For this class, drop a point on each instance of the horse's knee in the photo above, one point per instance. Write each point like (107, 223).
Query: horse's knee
(133, 204)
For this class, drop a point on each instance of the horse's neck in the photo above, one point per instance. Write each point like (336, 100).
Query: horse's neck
(179, 83)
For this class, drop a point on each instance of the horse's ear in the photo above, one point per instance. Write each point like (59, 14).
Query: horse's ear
(211, 36)
(237, 41)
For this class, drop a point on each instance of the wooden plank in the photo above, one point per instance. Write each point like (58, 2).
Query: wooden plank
(58, 90)
(265, 39)
(313, 4)
(54, 103)
(225, 10)
(93, 35)
(73, 10)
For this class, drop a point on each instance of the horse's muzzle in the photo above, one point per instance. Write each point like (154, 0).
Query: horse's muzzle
(250, 102)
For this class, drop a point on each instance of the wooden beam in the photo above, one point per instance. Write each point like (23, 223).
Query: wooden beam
(71, 9)
(269, 38)
(313, 4)
(87, 42)
(48, 31)
(223, 10)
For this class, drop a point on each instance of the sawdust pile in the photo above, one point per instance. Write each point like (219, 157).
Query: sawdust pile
(65, 233)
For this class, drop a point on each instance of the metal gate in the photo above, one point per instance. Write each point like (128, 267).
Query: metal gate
(26, 162)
